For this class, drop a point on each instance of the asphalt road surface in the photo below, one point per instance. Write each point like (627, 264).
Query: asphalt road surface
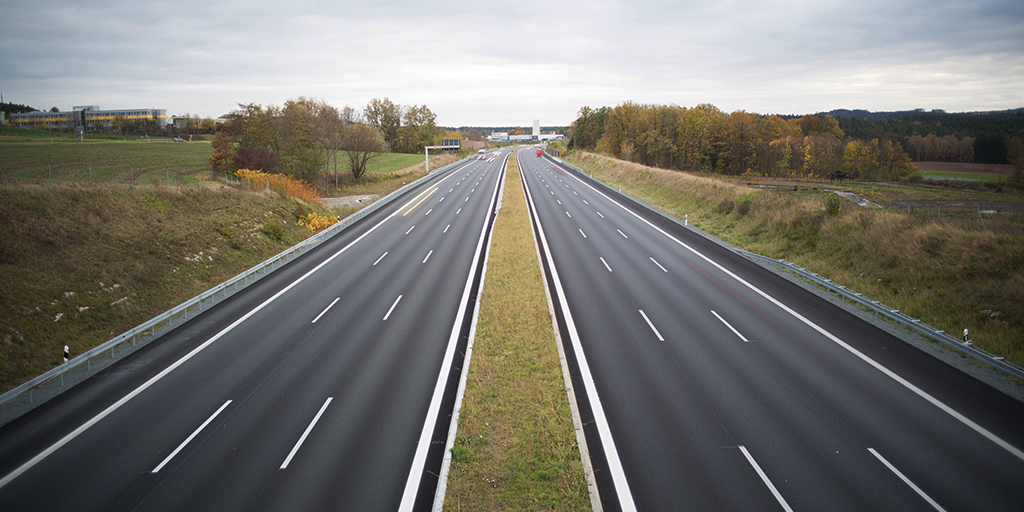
(324, 386)
(708, 383)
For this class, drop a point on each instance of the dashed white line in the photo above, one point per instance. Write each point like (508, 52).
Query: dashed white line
(559, 201)
(621, 233)
(428, 212)
(651, 324)
(446, 228)
(599, 215)
(731, 328)
(329, 306)
(605, 264)
(567, 213)
(907, 481)
(764, 478)
(392, 307)
(582, 233)
(457, 211)
(659, 265)
(190, 438)
(585, 202)
(410, 230)
(309, 429)
(385, 253)
(428, 256)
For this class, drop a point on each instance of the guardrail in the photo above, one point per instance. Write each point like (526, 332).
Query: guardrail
(30, 394)
(881, 311)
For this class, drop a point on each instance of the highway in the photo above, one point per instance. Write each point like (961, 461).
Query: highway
(324, 386)
(708, 383)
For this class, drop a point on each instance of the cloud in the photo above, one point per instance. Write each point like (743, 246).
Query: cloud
(509, 63)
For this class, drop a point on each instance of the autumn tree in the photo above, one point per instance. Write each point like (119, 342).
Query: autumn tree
(362, 143)
(386, 116)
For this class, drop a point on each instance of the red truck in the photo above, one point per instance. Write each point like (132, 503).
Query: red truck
(540, 151)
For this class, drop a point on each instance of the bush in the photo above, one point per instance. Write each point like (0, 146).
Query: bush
(743, 205)
(833, 205)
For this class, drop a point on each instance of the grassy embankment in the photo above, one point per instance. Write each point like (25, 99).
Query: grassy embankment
(515, 448)
(80, 264)
(950, 273)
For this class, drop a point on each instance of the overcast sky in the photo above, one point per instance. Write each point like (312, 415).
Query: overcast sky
(507, 63)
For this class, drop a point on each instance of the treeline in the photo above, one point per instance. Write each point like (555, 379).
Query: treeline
(705, 139)
(302, 138)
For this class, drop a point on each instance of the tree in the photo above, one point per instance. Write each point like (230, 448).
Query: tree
(362, 143)
(223, 152)
(387, 117)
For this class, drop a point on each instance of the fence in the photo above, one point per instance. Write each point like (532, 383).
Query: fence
(894, 317)
(30, 394)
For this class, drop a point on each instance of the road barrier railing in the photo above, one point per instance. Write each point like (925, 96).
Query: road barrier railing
(30, 394)
(891, 316)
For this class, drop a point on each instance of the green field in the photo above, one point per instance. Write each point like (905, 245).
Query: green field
(948, 175)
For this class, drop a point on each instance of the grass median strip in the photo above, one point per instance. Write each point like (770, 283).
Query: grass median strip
(515, 446)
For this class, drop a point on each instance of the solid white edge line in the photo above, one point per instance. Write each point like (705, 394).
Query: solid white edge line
(1016, 452)
(113, 407)
(907, 481)
(731, 328)
(380, 258)
(651, 324)
(392, 307)
(764, 478)
(446, 460)
(190, 438)
(428, 255)
(605, 264)
(658, 264)
(331, 305)
(600, 420)
(419, 459)
(298, 444)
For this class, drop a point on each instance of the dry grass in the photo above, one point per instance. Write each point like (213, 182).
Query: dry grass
(516, 448)
(946, 273)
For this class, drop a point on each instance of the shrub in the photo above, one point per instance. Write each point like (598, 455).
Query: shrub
(833, 205)
(743, 205)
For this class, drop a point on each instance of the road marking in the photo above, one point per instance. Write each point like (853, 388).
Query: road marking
(1016, 452)
(731, 328)
(156, 378)
(385, 254)
(907, 481)
(190, 438)
(446, 228)
(309, 429)
(764, 478)
(428, 212)
(659, 265)
(599, 215)
(574, 193)
(428, 256)
(585, 202)
(621, 233)
(559, 201)
(325, 309)
(582, 233)
(457, 211)
(410, 230)
(442, 199)
(653, 328)
(426, 194)
(392, 307)
(567, 213)
(605, 264)
(467, 199)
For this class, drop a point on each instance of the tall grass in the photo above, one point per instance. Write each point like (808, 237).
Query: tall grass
(951, 275)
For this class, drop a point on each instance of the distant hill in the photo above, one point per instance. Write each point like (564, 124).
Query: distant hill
(887, 116)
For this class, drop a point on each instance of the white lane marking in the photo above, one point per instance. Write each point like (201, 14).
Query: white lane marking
(442, 199)
(659, 265)
(600, 419)
(605, 264)
(471, 191)
(651, 324)
(116, 405)
(309, 429)
(385, 254)
(446, 228)
(449, 191)
(428, 256)
(431, 192)
(329, 306)
(428, 212)
(574, 193)
(392, 307)
(559, 201)
(1016, 452)
(907, 481)
(416, 469)
(582, 233)
(764, 478)
(467, 200)
(599, 215)
(190, 438)
(567, 213)
(731, 328)
(585, 202)
(621, 233)
(457, 211)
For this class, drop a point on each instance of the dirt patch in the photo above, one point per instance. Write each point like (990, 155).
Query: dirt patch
(334, 202)
(1002, 169)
